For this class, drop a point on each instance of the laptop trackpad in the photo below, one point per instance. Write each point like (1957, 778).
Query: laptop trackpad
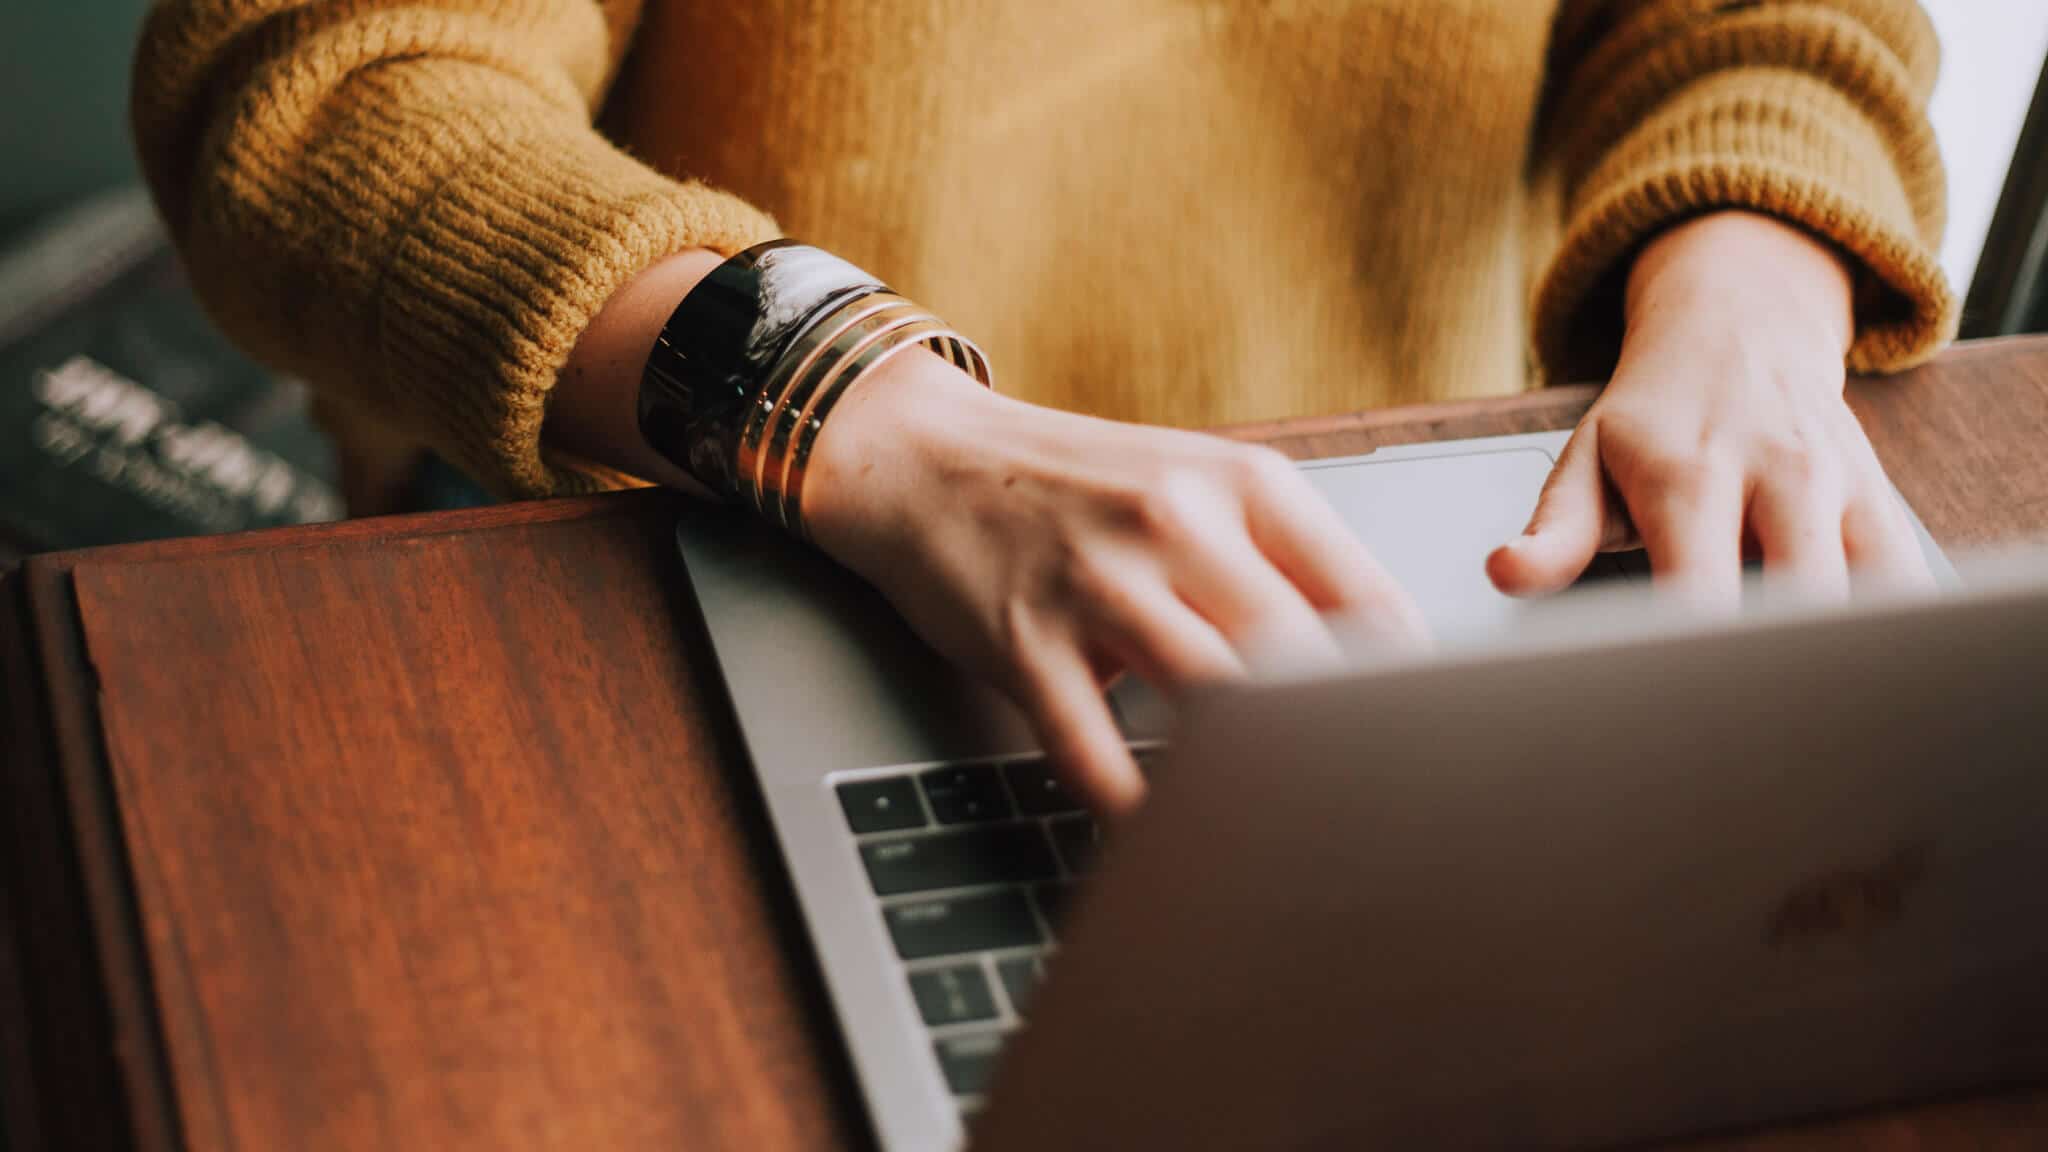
(1431, 521)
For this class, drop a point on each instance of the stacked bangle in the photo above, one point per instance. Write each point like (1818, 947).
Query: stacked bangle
(754, 359)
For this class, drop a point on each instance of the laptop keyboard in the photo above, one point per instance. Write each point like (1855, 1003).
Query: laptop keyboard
(972, 865)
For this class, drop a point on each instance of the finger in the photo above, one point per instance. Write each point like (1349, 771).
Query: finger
(1058, 690)
(1569, 523)
(1158, 636)
(1617, 532)
(1690, 518)
(1261, 613)
(1798, 528)
(1311, 545)
(1878, 539)
(1879, 542)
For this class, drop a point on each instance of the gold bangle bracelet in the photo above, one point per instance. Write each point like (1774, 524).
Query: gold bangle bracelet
(839, 337)
(946, 342)
(773, 435)
(848, 357)
(787, 371)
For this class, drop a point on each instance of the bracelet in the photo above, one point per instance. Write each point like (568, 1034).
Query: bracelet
(722, 342)
(824, 339)
(838, 350)
(955, 347)
(754, 359)
(856, 352)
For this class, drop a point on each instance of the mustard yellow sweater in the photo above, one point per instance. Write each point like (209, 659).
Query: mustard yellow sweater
(1179, 211)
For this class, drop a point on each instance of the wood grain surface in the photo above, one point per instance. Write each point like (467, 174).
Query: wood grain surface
(438, 842)
(434, 831)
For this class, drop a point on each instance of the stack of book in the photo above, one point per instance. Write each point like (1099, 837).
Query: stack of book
(124, 414)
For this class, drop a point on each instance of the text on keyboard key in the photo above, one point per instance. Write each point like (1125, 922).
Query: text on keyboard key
(962, 858)
(969, 1061)
(881, 805)
(950, 925)
(957, 994)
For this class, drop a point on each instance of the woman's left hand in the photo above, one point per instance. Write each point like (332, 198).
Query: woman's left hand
(1723, 431)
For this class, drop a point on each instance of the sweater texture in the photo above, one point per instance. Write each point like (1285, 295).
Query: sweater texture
(1188, 212)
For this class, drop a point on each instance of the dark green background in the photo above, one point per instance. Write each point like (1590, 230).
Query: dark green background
(63, 103)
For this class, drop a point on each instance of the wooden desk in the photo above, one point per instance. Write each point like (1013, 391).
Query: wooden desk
(427, 832)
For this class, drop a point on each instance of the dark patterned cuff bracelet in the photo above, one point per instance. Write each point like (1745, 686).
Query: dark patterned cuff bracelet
(720, 347)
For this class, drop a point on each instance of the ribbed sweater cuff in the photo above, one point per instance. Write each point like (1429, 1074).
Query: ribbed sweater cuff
(1776, 142)
(503, 268)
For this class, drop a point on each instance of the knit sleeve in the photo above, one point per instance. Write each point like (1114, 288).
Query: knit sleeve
(1812, 111)
(404, 202)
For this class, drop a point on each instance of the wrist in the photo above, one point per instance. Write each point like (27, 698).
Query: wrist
(755, 360)
(894, 435)
(1752, 272)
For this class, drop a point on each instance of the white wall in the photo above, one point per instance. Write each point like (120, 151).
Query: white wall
(1991, 56)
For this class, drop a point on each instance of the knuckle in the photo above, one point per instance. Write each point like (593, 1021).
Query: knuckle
(1693, 465)
(1793, 463)
(1173, 506)
(1671, 465)
(1786, 457)
(1090, 578)
(1258, 468)
(1123, 504)
(1718, 460)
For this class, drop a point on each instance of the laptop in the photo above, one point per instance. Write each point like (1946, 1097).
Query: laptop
(935, 856)
(1571, 893)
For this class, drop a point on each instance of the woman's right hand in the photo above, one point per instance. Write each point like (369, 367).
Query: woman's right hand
(1050, 552)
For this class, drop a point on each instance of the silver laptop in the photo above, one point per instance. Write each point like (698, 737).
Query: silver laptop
(1572, 894)
(935, 856)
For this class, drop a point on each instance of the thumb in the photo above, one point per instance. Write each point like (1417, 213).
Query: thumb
(1567, 528)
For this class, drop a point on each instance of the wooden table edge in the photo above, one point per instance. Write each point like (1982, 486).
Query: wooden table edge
(41, 623)
(119, 1046)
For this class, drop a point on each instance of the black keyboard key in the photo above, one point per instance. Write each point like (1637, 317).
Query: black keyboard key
(1021, 975)
(963, 858)
(964, 794)
(1038, 789)
(1078, 841)
(1052, 902)
(951, 925)
(881, 805)
(969, 1061)
(955, 995)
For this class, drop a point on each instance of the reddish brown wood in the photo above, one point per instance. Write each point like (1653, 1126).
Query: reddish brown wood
(438, 842)
(432, 832)
(109, 1034)
(1966, 439)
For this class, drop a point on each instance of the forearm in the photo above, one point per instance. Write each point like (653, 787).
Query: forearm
(405, 204)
